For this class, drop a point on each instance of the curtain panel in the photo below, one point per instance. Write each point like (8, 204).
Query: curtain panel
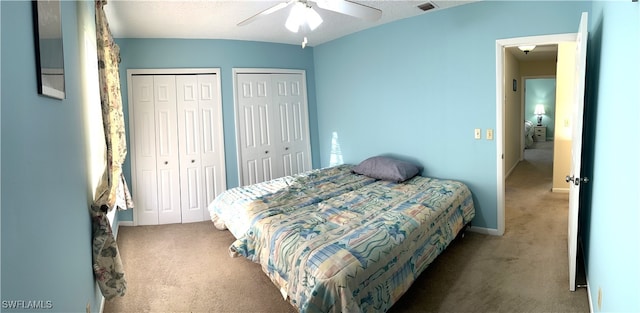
(112, 190)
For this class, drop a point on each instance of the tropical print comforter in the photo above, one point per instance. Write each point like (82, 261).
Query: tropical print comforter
(334, 241)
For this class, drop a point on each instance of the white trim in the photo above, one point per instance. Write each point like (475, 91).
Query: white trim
(485, 231)
(172, 71)
(125, 223)
(500, 45)
(589, 295)
(155, 71)
(512, 169)
(102, 304)
(500, 178)
(560, 190)
(236, 115)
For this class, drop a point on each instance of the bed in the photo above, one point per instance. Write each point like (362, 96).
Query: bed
(337, 241)
(528, 134)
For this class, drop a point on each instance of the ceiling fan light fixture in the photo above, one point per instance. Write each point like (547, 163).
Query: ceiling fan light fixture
(313, 18)
(296, 17)
(301, 14)
(526, 48)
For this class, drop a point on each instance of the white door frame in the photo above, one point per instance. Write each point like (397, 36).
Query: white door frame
(501, 44)
(236, 104)
(157, 71)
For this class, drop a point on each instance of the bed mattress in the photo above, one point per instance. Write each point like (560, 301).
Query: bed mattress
(335, 241)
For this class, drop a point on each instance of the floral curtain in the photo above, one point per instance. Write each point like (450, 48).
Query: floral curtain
(112, 190)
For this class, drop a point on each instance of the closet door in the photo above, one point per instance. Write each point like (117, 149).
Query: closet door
(201, 147)
(272, 118)
(292, 141)
(145, 184)
(167, 154)
(190, 138)
(256, 122)
(212, 149)
(178, 148)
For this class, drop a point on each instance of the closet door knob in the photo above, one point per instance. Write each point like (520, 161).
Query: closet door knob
(166, 162)
(193, 161)
(287, 148)
(266, 152)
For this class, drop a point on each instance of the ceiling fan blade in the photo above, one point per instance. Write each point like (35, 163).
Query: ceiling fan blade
(350, 8)
(268, 11)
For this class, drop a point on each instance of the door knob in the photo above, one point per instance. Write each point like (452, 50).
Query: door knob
(166, 162)
(287, 148)
(576, 180)
(266, 152)
(579, 180)
(193, 161)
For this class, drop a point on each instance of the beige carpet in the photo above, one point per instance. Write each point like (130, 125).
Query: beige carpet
(186, 268)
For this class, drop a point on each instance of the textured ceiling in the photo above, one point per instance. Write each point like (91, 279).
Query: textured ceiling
(215, 19)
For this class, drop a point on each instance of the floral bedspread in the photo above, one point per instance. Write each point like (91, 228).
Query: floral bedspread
(334, 241)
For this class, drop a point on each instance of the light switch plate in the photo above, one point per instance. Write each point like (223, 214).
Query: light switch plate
(489, 134)
(477, 134)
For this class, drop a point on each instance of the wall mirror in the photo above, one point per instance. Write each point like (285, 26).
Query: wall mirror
(49, 50)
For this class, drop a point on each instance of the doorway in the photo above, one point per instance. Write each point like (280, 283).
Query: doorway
(510, 132)
(572, 64)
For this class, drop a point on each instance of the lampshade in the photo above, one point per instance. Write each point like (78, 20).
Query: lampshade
(313, 18)
(539, 110)
(301, 14)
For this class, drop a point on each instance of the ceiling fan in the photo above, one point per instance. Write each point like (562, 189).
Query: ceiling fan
(303, 13)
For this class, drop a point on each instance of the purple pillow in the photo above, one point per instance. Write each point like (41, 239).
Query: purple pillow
(387, 168)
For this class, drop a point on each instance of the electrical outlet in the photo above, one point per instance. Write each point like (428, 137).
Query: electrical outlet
(489, 134)
(477, 134)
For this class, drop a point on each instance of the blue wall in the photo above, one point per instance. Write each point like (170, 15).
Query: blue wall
(541, 91)
(418, 88)
(411, 88)
(46, 228)
(611, 210)
(226, 55)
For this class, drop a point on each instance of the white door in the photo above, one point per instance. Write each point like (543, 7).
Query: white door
(574, 177)
(200, 136)
(178, 163)
(167, 154)
(212, 148)
(189, 138)
(255, 128)
(146, 179)
(291, 143)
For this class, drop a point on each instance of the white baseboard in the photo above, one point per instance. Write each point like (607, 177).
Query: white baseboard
(116, 227)
(485, 231)
(511, 170)
(589, 295)
(102, 305)
(560, 190)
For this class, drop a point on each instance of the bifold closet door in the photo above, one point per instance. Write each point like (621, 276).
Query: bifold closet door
(292, 141)
(273, 126)
(156, 149)
(200, 138)
(256, 122)
(178, 148)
